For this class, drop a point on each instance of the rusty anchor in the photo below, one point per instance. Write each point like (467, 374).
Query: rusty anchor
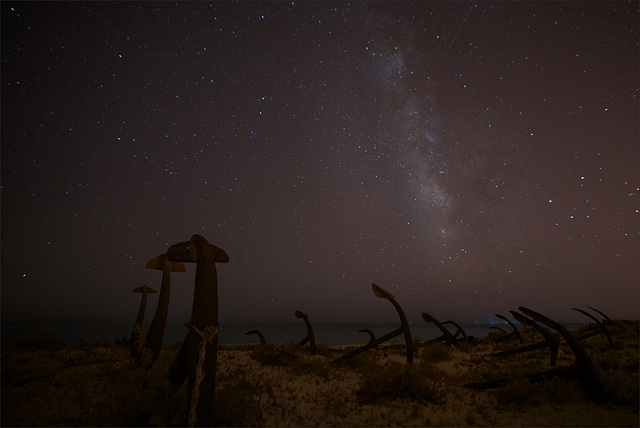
(137, 327)
(450, 338)
(403, 329)
(372, 337)
(155, 334)
(606, 319)
(259, 333)
(550, 341)
(583, 366)
(310, 337)
(459, 330)
(197, 358)
(446, 334)
(513, 328)
(599, 328)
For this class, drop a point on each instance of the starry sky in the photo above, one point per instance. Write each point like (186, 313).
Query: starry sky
(468, 157)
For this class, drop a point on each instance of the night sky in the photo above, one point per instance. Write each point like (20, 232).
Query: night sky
(467, 157)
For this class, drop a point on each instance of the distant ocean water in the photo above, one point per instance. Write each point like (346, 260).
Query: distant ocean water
(234, 334)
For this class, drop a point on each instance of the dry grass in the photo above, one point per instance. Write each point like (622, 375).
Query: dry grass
(44, 383)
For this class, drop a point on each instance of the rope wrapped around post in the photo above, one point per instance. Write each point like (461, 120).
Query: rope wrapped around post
(208, 334)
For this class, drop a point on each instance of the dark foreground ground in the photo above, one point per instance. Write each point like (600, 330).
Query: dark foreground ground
(46, 384)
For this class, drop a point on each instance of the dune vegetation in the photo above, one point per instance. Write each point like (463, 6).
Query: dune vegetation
(45, 383)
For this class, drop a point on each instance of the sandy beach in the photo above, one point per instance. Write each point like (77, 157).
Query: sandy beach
(44, 383)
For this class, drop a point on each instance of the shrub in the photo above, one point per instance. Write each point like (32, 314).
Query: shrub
(318, 366)
(397, 380)
(273, 355)
(465, 346)
(236, 405)
(521, 392)
(437, 352)
(30, 342)
(621, 387)
(518, 391)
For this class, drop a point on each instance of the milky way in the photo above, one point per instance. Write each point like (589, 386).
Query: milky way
(467, 157)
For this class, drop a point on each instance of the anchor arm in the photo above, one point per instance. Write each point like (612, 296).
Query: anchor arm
(583, 363)
(549, 340)
(446, 333)
(606, 318)
(600, 326)
(259, 333)
(515, 330)
(459, 330)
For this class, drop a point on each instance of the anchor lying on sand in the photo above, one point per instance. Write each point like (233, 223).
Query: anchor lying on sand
(372, 337)
(259, 333)
(598, 328)
(310, 337)
(552, 342)
(447, 336)
(403, 329)
(514, 330)
(582, 368)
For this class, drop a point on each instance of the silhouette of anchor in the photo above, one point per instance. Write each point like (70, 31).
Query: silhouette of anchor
(446, 334)
(583, 366)
(513, 327)
(259, 333)
(599, 328)
(403, 329)
(372, 336)
(550, 340)
(310, 337)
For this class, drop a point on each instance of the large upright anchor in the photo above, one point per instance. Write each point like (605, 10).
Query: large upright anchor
(310, 337)
(155, 335)
(137, 327)
(404, 328)
(197, 358)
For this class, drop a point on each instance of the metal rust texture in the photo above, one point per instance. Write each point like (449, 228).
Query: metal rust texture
(259, 333)
(310, 337)
(403, 329)
(197, 357)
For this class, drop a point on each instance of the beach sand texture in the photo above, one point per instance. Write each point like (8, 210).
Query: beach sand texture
(44, 383)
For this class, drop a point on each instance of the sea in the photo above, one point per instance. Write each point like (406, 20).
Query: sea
(235, 334)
